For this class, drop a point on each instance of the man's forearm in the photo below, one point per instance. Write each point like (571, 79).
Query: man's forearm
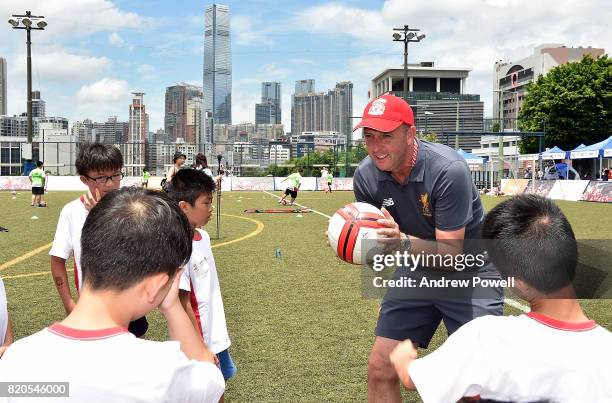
(60, 278)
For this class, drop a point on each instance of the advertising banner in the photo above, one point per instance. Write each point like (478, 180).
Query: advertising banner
(568, 190)
(541, 188)
(598, 192)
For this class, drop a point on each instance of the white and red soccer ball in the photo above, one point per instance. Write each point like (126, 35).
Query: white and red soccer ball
(350, 226)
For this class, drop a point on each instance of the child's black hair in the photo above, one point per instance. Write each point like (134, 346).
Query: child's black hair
(98, 157)
(130, 234)
(189, 184)
(528, 237)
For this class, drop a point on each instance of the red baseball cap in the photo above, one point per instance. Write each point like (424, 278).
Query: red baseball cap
(386, 113)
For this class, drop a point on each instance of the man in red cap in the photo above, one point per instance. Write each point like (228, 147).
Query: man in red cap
(426, 193)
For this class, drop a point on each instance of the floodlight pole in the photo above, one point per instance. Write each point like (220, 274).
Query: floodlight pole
(409, 35)
(27, 25)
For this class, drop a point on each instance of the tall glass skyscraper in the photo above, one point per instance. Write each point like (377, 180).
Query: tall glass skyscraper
(217, 105)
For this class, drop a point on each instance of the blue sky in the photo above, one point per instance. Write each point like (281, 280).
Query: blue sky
(94, 52)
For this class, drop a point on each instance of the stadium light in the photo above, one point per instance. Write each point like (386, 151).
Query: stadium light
(409, 35)
(25, 22)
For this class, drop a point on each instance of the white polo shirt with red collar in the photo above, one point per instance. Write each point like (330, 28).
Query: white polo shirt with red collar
(67, 239)
(200, 278)
(110, 365)
(524, 358)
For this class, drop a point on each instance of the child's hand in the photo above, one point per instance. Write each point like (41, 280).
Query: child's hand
(401, 357)
(91, 200)
(172, 298)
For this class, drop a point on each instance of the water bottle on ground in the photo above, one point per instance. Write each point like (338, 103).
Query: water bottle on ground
(277, 253)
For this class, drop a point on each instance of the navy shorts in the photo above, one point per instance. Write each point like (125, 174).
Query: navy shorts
(418, 319)
(36, 190)
(228, 368)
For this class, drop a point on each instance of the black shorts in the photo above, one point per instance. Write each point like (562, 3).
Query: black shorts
(139, 327)
(293, 193)
(38, 190)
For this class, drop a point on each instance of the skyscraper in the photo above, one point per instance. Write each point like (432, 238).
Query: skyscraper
(177, 123)
(269, 110)
(322, 111)
(342, 108)
(38, 105)
(304, 86)
(271, 92)
(2, 86)
(217, 105)
(137, 135)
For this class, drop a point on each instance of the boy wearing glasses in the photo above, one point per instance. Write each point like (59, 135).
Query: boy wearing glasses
(99, 167)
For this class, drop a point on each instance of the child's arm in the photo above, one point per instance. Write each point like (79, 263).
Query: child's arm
(8, 337)
(180, 327)
(185, 297)
(60, 278)
(402, 356)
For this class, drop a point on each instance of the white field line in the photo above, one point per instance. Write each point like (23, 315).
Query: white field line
(513, 303)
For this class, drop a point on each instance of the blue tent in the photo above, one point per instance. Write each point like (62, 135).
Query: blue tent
(555, 153)
(593, 150)
(470, 158)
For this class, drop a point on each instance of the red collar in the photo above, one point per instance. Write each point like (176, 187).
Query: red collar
(196, 235)
(561, 325)
(79, 334)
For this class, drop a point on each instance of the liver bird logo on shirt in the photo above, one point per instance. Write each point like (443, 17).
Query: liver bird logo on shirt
(426, 210)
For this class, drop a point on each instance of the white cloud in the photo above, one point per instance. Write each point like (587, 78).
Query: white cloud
(102, 92)
(71, 18)
(115, 40)
(59, 65)
(335, 18)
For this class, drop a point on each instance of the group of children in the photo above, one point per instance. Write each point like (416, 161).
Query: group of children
(128, 245)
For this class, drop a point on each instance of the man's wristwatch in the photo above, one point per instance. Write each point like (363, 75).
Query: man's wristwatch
(406, 245)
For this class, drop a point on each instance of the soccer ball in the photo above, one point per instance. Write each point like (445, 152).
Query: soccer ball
(349, 226)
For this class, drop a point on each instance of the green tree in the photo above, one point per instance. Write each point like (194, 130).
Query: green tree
(432, 137)
(572, 104)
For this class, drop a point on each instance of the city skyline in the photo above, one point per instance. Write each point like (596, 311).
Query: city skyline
(87, 67)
